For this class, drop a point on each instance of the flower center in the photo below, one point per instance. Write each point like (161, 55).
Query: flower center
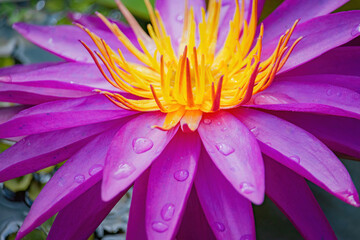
(201, 77)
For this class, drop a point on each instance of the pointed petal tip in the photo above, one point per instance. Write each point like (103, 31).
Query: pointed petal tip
(106, 193)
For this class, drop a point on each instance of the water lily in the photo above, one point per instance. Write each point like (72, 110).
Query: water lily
(204, 116)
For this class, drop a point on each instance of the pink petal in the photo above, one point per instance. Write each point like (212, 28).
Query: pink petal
(290, 10)
(22, 69)
(74, 178)
(301, 152)
(309, 97)
(63, 41)
(194, 225)
(235, 152)
(82, 216)
(132, 150)
(294, 197)
(62, 114)
(7, 113)
(170, 182)
(229, 214)
(39, 151)
(341, 60)
(338, 133)
(320, 35)
(136, 226)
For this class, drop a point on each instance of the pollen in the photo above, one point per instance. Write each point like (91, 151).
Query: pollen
(197, 77)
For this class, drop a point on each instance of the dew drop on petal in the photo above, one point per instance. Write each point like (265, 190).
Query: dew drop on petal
(181, 175)
(355, 31)
(255, 131)
(141, 145)
(159, 227)
(50, 41)
(268, 143)
(218, 123)
(247, 188)
(224, 149)
(95, 169)
(79, 178)
(246, 237)
(207, 121)
(329, 92)
(167, 212)
(224, 129)
(180, 18)
(219, 226)
(295, 158)
(123, 171)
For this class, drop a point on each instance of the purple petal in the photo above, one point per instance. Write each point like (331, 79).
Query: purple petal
(338, 133)
(7, 113)
(350, 82)
(235, 152)
(309, 97)
(18, 93)
(74, 178)
(63, 41)
(229, 214)
(172, 13)
(194, 225)
(132, 150)
(75, 76)
(290, 10)
(62, 114)
(136, 226)
(341, 60)
(170, 182)
(293, 196)
(320, 35)
(82, 216)
(42, 150)
(22, 68)
(301, 152)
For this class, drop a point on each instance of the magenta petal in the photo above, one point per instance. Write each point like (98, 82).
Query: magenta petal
(7, 113)
(172, 13)
(309, 97)
(170, 182)
(62, 114)
(74, 178)
(229, 214)
(194, 225)
(338, 133)
(290, 10)
(38, 151)
(132, 150)
(22, 69)
(136, 226)
(320, 35)
(17, 93)
(63, 41)
(236, 153)
(293, 196)
(301, 152)
(81, 217)
(341, 60)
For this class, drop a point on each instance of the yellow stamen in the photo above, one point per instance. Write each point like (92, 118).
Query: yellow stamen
(199, 77)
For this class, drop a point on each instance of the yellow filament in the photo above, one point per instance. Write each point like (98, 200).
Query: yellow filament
(198, 77)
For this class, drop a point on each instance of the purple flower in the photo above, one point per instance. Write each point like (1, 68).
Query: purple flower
(252, 120)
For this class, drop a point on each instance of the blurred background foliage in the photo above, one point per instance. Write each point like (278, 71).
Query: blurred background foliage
(17, 195)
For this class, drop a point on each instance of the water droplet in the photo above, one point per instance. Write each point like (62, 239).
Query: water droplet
(181, 175)
(224, 149)
(338, 94)
(268, 143)
(356, 30)
(295, 158)
(123, 171)
(247, 188)
(95, 169)
(329, 92)
(219, 226)
(224, 129)
(50, 41)
(141, 145)
(159, 226)
(255, 131)
(28, 143)
(79, 178)
(218, 123)
(167, 212)
(71, 82)
(207, 121)
(180, 18)
(246, 237)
